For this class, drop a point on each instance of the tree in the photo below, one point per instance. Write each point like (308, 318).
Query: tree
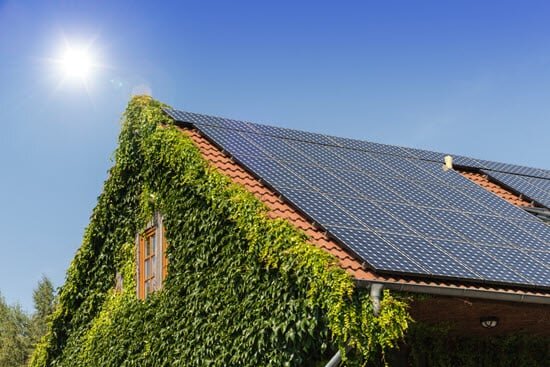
(15, 340)
(20, 332)
(43, 297)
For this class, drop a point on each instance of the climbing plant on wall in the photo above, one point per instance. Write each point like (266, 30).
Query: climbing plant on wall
(242, 289)
(438, 345)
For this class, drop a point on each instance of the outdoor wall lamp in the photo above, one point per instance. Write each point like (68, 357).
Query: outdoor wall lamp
(489, 322)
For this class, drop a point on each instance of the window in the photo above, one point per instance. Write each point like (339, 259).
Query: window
(152, 262)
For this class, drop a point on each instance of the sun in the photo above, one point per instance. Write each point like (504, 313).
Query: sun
(76, 63)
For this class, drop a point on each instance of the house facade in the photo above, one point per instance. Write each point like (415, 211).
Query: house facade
(246, 244)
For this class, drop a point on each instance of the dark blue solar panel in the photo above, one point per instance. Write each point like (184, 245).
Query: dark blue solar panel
(274, 173)
(425, 154)
(234, 142)
(378, 253)
(322, 155)
(454, 197)
(413, 193)
(368, 186)
(467, 227)
(422, 223)
(436, 171)
(370, 147)
(371, 215)
(319, 178)
(514, 236)
(495, 205)
(524, 186)
(521, 263)
(542, 256)
(405, 167)
(509, 168)
(320, 209)
(481, 262)
(277, 148)
(535, 228)
(199, 119)
(293, 134)
(540, 183)
(367, 163)
(465, 161)
(432, 258)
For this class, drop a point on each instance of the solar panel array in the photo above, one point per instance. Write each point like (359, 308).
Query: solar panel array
(534, 188)
(395, 208)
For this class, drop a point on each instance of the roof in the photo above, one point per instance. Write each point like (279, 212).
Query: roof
(392, 214)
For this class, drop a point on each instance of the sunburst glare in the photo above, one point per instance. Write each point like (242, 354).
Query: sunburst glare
(76, 63)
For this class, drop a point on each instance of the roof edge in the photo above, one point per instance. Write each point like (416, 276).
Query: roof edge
(458, 292)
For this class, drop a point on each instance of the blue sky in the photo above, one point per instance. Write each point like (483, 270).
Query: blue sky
(464, 77)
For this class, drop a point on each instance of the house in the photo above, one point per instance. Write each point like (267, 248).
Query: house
(235, 243)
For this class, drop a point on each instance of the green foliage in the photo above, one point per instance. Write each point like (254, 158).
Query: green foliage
(438, 346)
(19, 332)
(15, 338)
(242, 290)
(43, 297)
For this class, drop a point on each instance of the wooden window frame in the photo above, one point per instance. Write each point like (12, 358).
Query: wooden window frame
(155, 262)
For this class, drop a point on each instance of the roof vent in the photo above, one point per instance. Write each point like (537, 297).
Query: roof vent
(448, 163)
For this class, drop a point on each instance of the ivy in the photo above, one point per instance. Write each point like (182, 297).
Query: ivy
(242, 289)
(437, 345)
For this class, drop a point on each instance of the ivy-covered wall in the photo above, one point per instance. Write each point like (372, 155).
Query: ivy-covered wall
(242, 289)
(440, 345)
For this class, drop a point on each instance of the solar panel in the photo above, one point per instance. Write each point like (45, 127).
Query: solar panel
(322, 155)
(533, 188)
(366, 162)
(510, 168)
(425, 154)
(377, 252)
(535, 228)
(372, 216)
(293, 134)
(369, 186)
(514, 236)
(542, 256)
(454, 197)
(467, 227)
(494, 204)
(432, 258)
(367, 146)
(319, 178)
(482, 262)
(413, 193)
(521, 263)
(422, 223)
(232, 141)
(540, 183)
(320, 209)
(199, 119)
(395, 208)
(274, 173)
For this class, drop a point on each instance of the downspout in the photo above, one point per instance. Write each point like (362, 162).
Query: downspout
(375, 296)
(335, 360)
